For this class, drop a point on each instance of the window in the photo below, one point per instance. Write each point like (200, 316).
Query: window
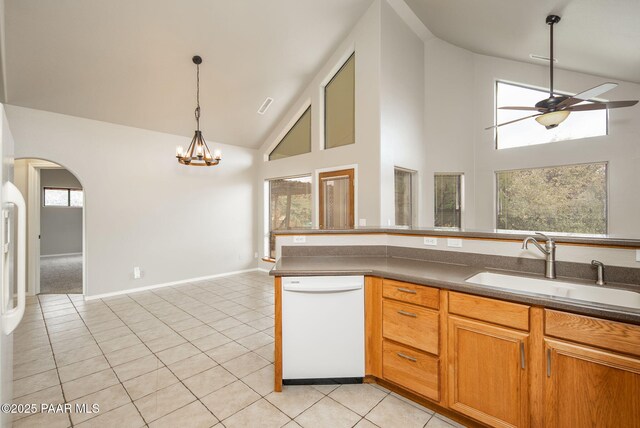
(529, 132)
(62, 197)
(297, 141)
(339, 107)
(570, 198)
(289, 206)
(448, 200)
(404, 194)
(337, 199)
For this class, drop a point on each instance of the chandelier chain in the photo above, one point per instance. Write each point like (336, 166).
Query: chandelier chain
(197, 111)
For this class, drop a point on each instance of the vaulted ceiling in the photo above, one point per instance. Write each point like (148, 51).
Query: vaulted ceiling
(129, 62)
(600, 37)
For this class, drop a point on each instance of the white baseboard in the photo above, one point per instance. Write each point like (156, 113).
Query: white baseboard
(168, 284)
(60, 255)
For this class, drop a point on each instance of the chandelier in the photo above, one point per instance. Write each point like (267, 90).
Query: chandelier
(198, 153)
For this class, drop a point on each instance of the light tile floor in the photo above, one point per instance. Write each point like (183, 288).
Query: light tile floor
(195, 355)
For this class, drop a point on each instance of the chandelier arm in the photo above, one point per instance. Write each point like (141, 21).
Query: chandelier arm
(207, 152)
(189, 153)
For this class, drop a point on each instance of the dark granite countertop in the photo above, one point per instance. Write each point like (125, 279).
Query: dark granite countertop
(447, 276)
(568, 238)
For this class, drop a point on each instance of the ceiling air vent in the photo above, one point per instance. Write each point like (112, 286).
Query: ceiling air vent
(265, 105)
(541, 58)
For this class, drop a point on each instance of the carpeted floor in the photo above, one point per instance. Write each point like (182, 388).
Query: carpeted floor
(61, 275)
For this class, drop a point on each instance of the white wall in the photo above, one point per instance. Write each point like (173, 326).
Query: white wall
(365, 153)
(142, 207)
(449, 128)
(60, 227)
(459, 99)
(401, 109)
(620, 148)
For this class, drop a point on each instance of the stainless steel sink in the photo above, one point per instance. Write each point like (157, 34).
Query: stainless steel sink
(562, 289)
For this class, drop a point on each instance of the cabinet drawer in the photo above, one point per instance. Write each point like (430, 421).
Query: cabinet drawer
(411, 325)
(411, 293)
(494, 311)
(411, 369)
(612, 335)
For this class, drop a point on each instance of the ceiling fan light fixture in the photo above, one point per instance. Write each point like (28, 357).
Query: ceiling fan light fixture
(552, 119)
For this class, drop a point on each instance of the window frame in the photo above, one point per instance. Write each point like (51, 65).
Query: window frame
(413, 195)
(461, 193)
(267, 182)
(351, 55)
(607, 203)
(292, 124)
(543, 90)
(68, 190)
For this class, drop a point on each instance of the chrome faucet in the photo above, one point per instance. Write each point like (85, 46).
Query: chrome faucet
(600, 266)
(549, 251)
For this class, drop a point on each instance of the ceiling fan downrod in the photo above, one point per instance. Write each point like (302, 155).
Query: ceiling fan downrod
(551, 20)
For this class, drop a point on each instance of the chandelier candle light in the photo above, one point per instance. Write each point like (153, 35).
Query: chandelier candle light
(198, 153)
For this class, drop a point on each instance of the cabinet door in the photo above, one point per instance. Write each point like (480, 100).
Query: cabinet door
(587, 387)
(487, 372)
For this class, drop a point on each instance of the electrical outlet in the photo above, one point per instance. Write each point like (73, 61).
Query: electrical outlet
(136, 272)
(638, 255)
(457, 243)
(431, 241)
(255, 255)
(362, 222)
(299, 239)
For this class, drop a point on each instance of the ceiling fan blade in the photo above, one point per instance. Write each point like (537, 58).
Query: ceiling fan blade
(602, 106)
(587, 95)
(512, 121)
(520, 108)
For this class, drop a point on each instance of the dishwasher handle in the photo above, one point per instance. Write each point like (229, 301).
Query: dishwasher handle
(320, 288)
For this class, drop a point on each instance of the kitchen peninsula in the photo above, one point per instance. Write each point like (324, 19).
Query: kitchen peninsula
(482, 354)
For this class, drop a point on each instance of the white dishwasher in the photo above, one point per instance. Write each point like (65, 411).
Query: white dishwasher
(322, 329)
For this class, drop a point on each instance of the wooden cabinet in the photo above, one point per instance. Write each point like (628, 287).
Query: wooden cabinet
(411, 337)
(488, 372)
(412, 369)
(411, 325)
(500, 363)
(588, 387)
(591, 382)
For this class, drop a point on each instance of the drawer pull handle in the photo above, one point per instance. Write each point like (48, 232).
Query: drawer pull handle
(406, 357)
(548, 362)
(522, 357)
(406, 290)
(408, 314)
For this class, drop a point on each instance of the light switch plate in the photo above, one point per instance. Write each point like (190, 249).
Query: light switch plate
(454, 243)
(431, 241)
(638, 255)
(299, 239)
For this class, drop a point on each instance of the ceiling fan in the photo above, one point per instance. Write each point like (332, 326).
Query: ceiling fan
(555, 109)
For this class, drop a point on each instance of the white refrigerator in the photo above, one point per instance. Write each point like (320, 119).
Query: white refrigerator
(12, 269)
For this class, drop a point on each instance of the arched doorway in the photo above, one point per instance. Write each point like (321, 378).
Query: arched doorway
(55, 227)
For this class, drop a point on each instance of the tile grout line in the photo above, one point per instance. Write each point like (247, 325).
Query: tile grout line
(219, 364)
(111, 367)
(53, 354)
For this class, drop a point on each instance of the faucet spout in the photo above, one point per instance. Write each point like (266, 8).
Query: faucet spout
(549, 250)
(531, 239)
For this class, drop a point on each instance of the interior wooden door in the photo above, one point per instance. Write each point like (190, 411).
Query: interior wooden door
(588, 387)
(488, 372)
(336, 199)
